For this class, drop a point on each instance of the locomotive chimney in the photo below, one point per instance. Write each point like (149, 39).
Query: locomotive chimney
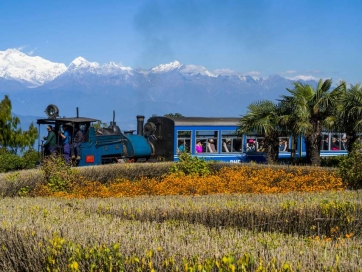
(140, 120)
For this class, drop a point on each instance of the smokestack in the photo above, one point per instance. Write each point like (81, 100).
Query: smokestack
(140, 120)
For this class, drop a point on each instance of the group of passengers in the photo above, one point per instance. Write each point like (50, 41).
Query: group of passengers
(336, 143)
(70, 148)
(255, 146)
(209, 146)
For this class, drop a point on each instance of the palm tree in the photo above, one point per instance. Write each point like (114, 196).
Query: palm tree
(262, 118)
(312, 110)
(351, 114)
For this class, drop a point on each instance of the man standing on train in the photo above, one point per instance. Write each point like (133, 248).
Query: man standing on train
(66, 142)
(50, 143)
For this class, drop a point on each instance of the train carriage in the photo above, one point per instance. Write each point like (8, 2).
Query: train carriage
(170, 135)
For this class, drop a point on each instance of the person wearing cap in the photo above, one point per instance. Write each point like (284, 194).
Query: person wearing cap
(65, 142)
(250, 146)
(77, 141)
(50, 143)
(210, 146)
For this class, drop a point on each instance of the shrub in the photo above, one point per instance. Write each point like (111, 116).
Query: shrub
(331, 161)
(10, 162)
(30, 158)
(190, 165)
(350, 168)
(58, 174)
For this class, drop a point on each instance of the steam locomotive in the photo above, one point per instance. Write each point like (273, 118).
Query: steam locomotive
(162, 138)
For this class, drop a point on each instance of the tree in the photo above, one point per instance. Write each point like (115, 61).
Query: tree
(11, 135)
(313, 110)
(350, 115)
(173, 115)
(99, 125)
(262, 118)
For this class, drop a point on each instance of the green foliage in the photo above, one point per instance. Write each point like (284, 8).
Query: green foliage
(58, 174)
(190, 165)
(331, 161)
(99, 125)
(173, 115)
(350, 168)
(11, 135)
(30, 158)
(10, 162)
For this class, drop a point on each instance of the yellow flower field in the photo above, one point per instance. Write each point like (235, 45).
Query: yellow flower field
(236, 180)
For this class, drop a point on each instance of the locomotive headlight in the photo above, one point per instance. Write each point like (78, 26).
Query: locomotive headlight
(52, 111)
(149, 128)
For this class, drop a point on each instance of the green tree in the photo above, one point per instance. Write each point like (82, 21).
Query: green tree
(350, 115)
(11, 135)
(99, 125)
(173, 115)
(314, 109)
(263, 118)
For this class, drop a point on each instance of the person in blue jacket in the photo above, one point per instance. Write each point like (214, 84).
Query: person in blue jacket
(65, 135)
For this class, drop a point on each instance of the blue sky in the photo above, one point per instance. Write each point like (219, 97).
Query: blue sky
(318, 38)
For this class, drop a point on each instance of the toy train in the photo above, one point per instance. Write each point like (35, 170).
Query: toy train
(162, 138)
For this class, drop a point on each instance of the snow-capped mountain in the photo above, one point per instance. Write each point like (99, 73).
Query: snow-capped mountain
(98, 89)
(31, 71)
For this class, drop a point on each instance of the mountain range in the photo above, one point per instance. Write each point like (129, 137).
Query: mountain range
(97, 90)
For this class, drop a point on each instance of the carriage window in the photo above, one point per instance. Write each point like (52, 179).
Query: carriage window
(230, 141)
(207, 140)
(333, 141)
(283, 144)
(183, 141)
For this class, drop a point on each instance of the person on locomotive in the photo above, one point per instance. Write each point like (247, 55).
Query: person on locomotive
(50, 143)
(65, 142)
(77, 141)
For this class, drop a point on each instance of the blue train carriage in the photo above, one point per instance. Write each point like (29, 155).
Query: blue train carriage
(209, 138)
(101, 146)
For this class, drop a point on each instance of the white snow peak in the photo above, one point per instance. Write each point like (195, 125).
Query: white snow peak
(166, 67)
(14, 64)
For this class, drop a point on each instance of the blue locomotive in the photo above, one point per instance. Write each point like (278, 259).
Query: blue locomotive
(99, 146)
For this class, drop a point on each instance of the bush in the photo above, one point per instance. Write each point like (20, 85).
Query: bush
(331, 161)
(350, 168)
(30, 158)
(10, 162)
(190, 165)
(58, 174)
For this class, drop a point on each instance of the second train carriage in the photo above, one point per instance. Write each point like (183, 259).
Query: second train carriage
(168, 134)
